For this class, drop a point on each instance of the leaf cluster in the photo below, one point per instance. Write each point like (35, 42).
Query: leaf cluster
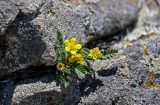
(82, 69)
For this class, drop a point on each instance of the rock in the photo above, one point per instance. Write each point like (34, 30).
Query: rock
(148, 20)
(120, 80)
(106, 17)
(124, 78)
(55, 17)
(43, 89)
(4, 90)
(30, 40)
(29, 6)
(117, 90)
(8, 13)
(37, 91)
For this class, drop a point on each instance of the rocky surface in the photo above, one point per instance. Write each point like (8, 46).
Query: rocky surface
(120, 80)
(123, 80)
(8, 13)
(27, 57)
(36, 86)
(148, 20)
(100, 15)
(35, 92)
(30, 35)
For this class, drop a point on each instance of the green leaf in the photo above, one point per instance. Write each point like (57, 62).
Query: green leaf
(82, 68)
(79, 74)
(60, 53)
(66, 83)
(85, 52)
(67, 71)
(109, 53)
(66, 79)
(59, 38)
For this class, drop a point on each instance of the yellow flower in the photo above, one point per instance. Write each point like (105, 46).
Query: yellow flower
(95, 53)
(72, 46)
(79, 58)
(60, 66)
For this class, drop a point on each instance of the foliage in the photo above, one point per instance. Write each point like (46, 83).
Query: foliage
(72, 57)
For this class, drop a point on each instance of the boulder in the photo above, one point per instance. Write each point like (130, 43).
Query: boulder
(30, 39)
(107, 17)
(27, 55)
(124, 79)
(120, 80)
(8, 13)
(148, 20)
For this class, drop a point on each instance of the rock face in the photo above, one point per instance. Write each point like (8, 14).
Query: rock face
(35, 92)
(30, 39)
(123, 80)
(27, 56)
(100, 15)
(36, 86)
(148, 20)
(8, 13)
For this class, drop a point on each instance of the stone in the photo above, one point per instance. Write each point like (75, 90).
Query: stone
(148, 20)
(30, 40)
(37, 91)
(8, 13)
(29, 6)
(120, 89)
(120, 80)
(27, 87)
(106, 17)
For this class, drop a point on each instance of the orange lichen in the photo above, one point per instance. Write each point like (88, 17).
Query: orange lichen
(149, 82)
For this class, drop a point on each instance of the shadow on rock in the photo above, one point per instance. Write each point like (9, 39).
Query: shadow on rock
(27, 82)
(89, 85)
(41, 86)
(108, 72)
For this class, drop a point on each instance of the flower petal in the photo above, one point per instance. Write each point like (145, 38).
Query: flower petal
(73, 52)
(95, 53)
(80, 58)
(66, 41)
(73, 40)
(60, 66)
(67, 49)
(78, 46)
(71, 59)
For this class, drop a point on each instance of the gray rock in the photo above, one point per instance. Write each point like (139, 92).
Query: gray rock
(8, 13)
(31, 37)
(119, 81)
(55, 17)
(31, 40)
(154, 51)
(29, 6)
(4, 90)
(148, 20)
(41, 90)
(106, 17)
(37, 91)
(120, 89)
